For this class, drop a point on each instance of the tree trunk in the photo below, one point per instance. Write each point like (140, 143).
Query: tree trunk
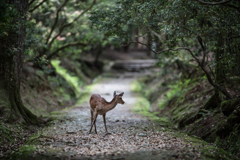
(11, 62)
(98, 53)
(219, 67)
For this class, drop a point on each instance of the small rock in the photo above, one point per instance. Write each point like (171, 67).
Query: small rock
(94, 142)
(123, 121)
(71, 132)
(142, 135)
(85, 145)
(117, 120)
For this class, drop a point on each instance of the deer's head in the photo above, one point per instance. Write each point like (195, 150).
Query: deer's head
(118, 97)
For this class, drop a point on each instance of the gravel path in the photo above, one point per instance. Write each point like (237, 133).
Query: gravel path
(133, 136)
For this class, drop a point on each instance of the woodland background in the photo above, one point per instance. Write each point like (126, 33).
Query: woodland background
(51, 50)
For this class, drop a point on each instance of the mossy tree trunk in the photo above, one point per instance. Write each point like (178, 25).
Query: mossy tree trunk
(219, 73)
(219, 70)
(11, 62)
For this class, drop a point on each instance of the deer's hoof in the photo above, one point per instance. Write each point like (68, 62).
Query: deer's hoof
(106, 134)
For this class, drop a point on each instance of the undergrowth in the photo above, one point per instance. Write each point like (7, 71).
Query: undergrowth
(184, 103)
(72, 80)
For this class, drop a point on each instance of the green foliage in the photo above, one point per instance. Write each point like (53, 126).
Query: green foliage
(23, 152)
(142, 107)
(176, 24)
(175, 90)
(6, 133)
(73, 81)
(66, 32)
(7, 14)
(136, 86)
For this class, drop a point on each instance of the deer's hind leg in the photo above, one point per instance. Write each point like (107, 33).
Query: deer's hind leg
(91, 120)
(95, 126)
(94, 122)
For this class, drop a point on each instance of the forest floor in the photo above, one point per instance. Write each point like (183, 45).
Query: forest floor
(133, 136)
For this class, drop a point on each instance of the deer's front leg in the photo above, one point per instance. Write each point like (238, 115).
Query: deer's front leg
(91, 116)
(104, 120)
(95, 126)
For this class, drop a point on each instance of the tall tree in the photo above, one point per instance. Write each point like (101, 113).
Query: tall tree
(11, 63)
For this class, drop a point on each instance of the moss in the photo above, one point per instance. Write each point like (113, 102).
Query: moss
(73, 81)
(142, 107)
(230, 142)
(23, 152)
(227, 107)
(16, 110)
(6, 133)
(232, 119)
(227, 126)
(29, 152)
(211, 103)
(189, 118)
(211, 152)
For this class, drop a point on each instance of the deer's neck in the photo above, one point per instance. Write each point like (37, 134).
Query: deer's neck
(110, 105)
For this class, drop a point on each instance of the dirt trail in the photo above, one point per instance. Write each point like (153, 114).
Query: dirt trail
(133, 136)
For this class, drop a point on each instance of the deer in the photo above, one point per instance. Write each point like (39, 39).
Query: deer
(100, 106)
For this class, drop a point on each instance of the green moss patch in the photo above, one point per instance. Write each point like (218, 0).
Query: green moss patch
(73, 81)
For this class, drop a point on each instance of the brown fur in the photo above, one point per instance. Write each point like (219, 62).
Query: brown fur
(99, 105)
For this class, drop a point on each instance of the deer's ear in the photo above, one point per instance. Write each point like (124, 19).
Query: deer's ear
(121, 94)
(114, 93)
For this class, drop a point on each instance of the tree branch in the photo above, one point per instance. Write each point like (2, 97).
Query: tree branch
(141, 44)
(229, 38)
(30, 2)
(214, 3)
(66, 46)
(200, 41)
(232, 6)
(56, 20)
(220, 3)
(69, 24)
(59, 33)
(220, 88)
(75, 19)
(36, 5)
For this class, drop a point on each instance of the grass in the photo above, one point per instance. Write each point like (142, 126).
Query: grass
(136, 86)
(73, 81)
